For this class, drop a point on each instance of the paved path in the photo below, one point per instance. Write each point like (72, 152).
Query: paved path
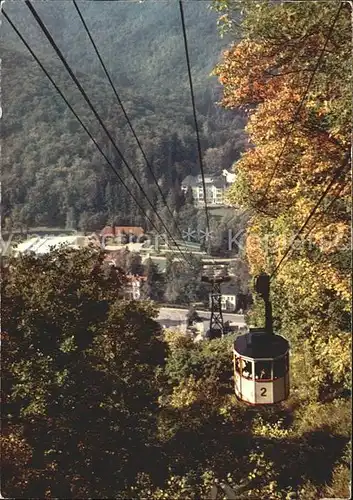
(170, 317)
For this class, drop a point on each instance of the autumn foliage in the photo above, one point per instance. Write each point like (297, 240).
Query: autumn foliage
(291, 73)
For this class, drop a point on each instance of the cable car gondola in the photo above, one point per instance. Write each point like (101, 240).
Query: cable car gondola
(261, 359)
(261, 367)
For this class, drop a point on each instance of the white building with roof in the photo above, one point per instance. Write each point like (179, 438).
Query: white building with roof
(45, 245)
(215, 190)
(229, 176)
(229, 291)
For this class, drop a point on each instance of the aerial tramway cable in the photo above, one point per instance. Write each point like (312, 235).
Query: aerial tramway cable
(216, 320)
(83, 125)
(194, 112)
(125, 114)
(327, 208)
(82, 91)
(336, 176)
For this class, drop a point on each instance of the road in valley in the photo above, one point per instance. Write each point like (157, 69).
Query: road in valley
(176, 318)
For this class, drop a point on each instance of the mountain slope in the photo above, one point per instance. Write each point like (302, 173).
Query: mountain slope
(141, 42)
(52, 173)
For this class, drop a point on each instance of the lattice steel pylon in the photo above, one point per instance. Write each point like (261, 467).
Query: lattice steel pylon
(216, 320)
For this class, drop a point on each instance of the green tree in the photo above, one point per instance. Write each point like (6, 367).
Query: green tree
(183, 282)
(78, 375)
(192, 316)
(134, 264)
(153, 286)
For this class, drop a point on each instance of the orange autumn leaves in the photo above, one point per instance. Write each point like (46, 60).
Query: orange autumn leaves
(244, 82)
(298, 100)
(296, 125)
(295, 149)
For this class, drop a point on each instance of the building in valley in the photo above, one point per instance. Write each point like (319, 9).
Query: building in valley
(215, 188)
(134, 286)
(230, 291)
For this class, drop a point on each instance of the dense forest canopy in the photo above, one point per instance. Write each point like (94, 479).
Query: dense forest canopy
(52, 173)
(98, 403)
(142, 42)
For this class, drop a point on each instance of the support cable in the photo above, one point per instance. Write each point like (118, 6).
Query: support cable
(296, 114)
(79, 86)
(336, 176)
(125, 114)
(82, 124)
(332, 202)
(194, 112)
(326, 209)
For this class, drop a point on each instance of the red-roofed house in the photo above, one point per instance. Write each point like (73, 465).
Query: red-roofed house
(136, 231)
(118, 230)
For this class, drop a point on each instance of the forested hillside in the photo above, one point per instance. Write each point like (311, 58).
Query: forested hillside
(52, 173)
(142, 42)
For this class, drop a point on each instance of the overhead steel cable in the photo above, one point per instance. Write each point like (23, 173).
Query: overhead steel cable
(336, 176)
(296, 114)
(327, 208)
(125, 114)
(82, 91)
(332, 202)
(82, 124)
(194, 113)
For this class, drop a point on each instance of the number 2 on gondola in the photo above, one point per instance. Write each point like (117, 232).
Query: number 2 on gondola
(263, 391)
